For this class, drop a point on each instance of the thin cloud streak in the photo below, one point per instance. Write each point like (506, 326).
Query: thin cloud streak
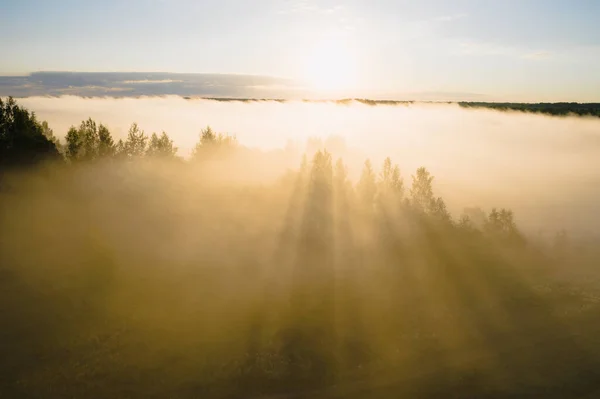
(476, 48)
(451, 17)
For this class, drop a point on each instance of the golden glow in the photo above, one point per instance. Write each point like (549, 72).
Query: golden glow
(330, 66)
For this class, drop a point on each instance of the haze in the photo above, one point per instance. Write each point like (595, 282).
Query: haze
(538, 165)
(289, 199)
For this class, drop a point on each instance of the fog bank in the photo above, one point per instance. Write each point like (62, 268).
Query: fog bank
(546, 168)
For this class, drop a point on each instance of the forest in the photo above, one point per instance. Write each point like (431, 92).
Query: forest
(553, 109)
(128, 271)
(556, 109)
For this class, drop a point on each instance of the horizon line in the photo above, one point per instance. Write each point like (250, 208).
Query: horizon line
(363, 100)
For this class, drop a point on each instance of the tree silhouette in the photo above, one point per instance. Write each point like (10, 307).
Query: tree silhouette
(313, 276)
(88, 132)
(438, 210)
(106, 144)
(23, 140)
(49, 134)
(465, 224)
(161, 146)
(135, 145)
(390, 187)
(366, 188)
(500, 224)
(212, 144)
(421, 191)
(341, 184)
(74, 144)
(120, 151)
(89, 142)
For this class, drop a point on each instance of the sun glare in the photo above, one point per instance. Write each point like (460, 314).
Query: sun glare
(330, 67)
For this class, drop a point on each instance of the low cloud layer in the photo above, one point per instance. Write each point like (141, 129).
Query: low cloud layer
(134, 84)
(546, 168)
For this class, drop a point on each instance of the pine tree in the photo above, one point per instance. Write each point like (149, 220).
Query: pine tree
(341, 184)
(421, 191)
(135, 145)
(106, 144)
(88, 132)
(73, 144)
(23, 140)
(390, 187)
(367, 186)
(212, 144)
(161, 146)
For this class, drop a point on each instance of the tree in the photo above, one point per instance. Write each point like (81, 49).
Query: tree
(89, 142)
(507, 220)
(120, 151)
(23, 140)
(49, 133)
(312, 296)
(135, 145)
(465, 223)
(341, 185)
(88, 132)
(320, 196)
(500, 223)
(390, 186)
(438, 210)
(421, 191)
(212, 144)
(106, 144)
(493, 223)
(321, 175)
(367, 186)
(161, 146)
(73, 145)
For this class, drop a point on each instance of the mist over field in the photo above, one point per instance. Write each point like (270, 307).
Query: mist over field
(545, 168)
(311, 249)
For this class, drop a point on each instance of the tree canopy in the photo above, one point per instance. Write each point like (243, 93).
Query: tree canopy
(23, 139)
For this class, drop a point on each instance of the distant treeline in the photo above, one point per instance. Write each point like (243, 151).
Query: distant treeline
(556, 109)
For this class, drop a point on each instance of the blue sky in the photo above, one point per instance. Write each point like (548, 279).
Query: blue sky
(531, 50)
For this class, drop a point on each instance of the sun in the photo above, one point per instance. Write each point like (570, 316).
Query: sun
(330, 66)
